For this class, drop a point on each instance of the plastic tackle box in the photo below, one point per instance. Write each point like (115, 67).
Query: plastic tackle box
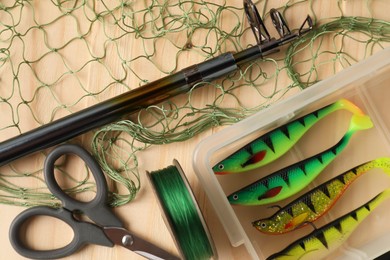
(366, 84)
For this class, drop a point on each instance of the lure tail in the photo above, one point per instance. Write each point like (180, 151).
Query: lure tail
(347, 105)
(360, 122)
(375, 202)
(326, 239)
(384, 164)
(357, 123)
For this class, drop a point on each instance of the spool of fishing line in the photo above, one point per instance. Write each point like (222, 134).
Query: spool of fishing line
(181, 213)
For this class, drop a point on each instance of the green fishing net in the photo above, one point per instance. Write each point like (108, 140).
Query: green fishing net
(97, 49)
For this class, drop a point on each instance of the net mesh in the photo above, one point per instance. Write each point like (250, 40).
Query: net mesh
(98, 49)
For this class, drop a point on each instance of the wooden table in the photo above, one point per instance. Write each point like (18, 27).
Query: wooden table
(143, 214)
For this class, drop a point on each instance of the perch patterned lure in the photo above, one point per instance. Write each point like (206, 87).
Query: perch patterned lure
(274, 144)
(315, 203)
(321, 242)
(292, 179)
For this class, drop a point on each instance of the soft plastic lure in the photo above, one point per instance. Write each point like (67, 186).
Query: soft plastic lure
(292, 179)
(321, 242)
(315, 203)
(274, 144)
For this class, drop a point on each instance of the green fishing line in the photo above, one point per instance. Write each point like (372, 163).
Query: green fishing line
(182, 213)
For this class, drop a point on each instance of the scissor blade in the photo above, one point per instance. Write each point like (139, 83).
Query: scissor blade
(148, 256)
(123, 237)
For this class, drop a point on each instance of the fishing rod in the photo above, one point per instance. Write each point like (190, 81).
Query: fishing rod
(155, 92)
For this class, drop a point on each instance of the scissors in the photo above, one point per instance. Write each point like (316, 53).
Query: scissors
(107, 231)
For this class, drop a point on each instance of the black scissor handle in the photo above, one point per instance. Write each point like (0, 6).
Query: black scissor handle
(96, 209)
(84, 233)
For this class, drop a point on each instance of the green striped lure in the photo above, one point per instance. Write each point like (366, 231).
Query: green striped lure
(315, 203)
(274, 144)
(292, 179)
(321, 242)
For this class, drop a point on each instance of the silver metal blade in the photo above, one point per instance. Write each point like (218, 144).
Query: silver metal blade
(123, 237)
(148, 256)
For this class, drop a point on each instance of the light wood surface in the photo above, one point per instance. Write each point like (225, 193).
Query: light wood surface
(143, 214)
